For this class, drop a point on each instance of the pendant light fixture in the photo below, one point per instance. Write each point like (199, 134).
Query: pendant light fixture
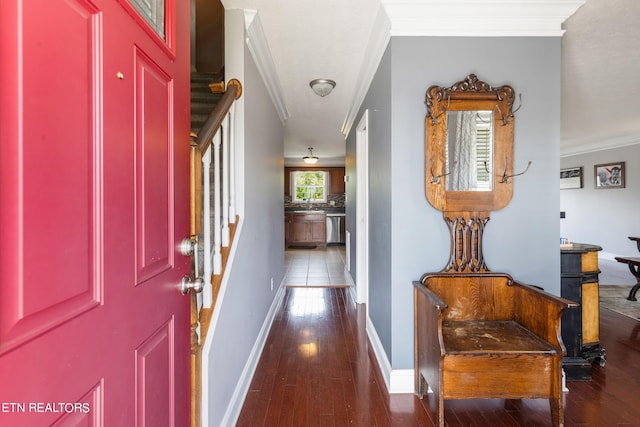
(310, 158)
(322, 87)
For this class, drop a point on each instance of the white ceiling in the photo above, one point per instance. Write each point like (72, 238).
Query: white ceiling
(310, 39)
(600, 76)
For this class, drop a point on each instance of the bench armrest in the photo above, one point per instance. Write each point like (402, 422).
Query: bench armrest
(429, 313)
(541, 312)
(434, 299)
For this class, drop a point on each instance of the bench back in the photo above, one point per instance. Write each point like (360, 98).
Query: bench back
(474, 297)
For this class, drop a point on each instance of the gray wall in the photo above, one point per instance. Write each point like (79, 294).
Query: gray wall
(260, 251)
(377, 101)
(521, 239)
(603, 217)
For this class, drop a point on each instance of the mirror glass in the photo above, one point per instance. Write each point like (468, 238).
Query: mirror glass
(469, 150)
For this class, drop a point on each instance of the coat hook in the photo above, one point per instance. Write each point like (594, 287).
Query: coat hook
(434, 119)
(519, 106)
(505, 118)
(505, 177)
(435, 179)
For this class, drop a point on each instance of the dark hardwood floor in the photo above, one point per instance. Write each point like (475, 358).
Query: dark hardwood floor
(317, 370)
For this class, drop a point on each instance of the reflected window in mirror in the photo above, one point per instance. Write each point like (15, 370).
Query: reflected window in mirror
(469, 150)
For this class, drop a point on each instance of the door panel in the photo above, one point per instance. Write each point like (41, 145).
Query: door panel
(154, 373)
(87, 411)
(154, 168)
(94, 169)
(43, 253)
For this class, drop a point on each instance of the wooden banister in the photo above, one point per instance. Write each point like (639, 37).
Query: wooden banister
(217, 115)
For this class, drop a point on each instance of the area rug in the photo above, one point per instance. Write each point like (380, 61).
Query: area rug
(614, 297)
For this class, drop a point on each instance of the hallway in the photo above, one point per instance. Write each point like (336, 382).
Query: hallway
(317, 369)
(323, 266)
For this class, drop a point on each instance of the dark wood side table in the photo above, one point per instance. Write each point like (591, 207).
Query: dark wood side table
(579, 274)
(634, 268)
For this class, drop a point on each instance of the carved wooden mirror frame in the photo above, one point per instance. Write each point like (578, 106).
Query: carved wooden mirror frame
(467, 212)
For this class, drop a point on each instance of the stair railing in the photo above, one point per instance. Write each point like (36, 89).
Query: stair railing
(215, 144)
(212, 212)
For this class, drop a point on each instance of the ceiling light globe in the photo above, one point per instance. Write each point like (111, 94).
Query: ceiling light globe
(322, 87)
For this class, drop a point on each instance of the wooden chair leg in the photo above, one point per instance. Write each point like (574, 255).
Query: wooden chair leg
(557, 412)
(420, 386)
(439, 407)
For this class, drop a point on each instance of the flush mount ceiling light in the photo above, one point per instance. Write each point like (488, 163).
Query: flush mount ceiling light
(322, 87)
(310, 159)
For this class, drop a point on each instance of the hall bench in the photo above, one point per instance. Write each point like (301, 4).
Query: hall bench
(634, 267)
(487, 336)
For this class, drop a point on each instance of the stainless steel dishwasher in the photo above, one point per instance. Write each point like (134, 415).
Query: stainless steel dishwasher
(334, 227)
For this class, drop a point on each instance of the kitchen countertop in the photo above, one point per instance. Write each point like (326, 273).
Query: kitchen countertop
(327, 210)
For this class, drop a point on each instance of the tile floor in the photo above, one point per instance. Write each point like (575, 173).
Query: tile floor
(319, 267)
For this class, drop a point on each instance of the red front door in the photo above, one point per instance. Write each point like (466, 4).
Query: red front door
(94, 175)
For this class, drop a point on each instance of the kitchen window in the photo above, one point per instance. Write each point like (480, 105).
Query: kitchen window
(309, 186)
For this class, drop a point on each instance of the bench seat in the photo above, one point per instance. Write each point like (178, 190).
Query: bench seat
(476, 336)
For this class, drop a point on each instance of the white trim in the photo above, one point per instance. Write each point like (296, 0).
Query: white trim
(362, 210)
(576, 147)
(347, 262)
(402, 381)
(473, 18)
(242, 387)
(378, 350)
(352, 287)
(397, 381)
(378, 41)
(259, 48)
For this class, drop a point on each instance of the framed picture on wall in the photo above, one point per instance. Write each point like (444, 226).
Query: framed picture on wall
(571, 178)
(609, 175)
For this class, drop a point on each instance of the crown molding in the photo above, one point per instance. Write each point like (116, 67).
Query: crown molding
(575, 148)
(259, 48)
(455, 18)
(479, 18)
(378, 41)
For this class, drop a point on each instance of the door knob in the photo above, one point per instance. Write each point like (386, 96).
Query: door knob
(187, 246)
(188, 284)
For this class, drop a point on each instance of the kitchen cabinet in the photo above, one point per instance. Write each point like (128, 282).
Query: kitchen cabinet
(305, 229)
(287, 228)
(336, 180)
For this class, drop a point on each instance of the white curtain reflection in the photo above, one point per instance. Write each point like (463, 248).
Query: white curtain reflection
(463, 170)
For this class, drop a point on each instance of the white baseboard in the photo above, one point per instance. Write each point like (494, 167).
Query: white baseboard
(242, 388)
(402, 381)
(352, 289)
(398, 381)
